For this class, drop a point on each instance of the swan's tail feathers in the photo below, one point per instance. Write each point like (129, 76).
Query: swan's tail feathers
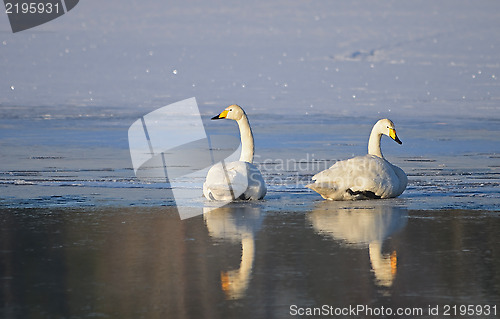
(311, 186)
(326, 190)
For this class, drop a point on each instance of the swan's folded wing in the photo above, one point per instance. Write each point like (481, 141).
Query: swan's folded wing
(217, 192)
(225, 181)
(327, 176)
(324, 189)
(341, 172)
(402, 178)
(350, 178)
(326, 183)
(256, 186)
(244, 179)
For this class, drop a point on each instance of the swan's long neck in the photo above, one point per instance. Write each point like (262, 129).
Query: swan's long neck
(247, 148)
(374, 143)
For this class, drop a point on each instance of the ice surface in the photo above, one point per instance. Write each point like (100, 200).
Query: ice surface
(312, 76)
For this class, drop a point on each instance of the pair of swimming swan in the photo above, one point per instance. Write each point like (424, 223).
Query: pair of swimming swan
(363, 177)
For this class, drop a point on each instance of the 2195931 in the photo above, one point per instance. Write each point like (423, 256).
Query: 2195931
(32, 8)
(469, 310)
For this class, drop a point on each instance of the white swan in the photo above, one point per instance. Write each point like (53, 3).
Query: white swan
(363, 177)
(240, 179)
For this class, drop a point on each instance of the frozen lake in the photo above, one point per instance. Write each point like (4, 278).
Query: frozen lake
(450, 164)
(82, 237)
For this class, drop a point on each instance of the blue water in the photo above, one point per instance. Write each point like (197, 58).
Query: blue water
(313, 79)
(85, 161)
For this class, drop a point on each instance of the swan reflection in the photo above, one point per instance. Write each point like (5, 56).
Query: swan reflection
(236, 225)
(363, 226)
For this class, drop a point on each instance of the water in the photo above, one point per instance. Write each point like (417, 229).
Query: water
(448, 166)
(243, 262)
(81, 237)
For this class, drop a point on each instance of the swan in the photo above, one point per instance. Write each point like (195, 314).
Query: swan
(240, 179)
(363, 177)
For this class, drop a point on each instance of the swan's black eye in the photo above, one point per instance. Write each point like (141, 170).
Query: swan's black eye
(230, 110)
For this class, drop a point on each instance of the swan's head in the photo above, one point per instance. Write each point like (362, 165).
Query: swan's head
(232, 112)
(386, 127)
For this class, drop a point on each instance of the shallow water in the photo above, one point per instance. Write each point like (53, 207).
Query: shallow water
(82, 237)
(243, 262)
(448, 166)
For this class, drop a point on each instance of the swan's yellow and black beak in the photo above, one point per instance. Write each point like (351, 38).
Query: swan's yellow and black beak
(392, 134)
(220, 116)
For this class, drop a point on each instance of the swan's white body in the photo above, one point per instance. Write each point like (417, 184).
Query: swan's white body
(240, 179)
(245, 182)
(363, 177)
